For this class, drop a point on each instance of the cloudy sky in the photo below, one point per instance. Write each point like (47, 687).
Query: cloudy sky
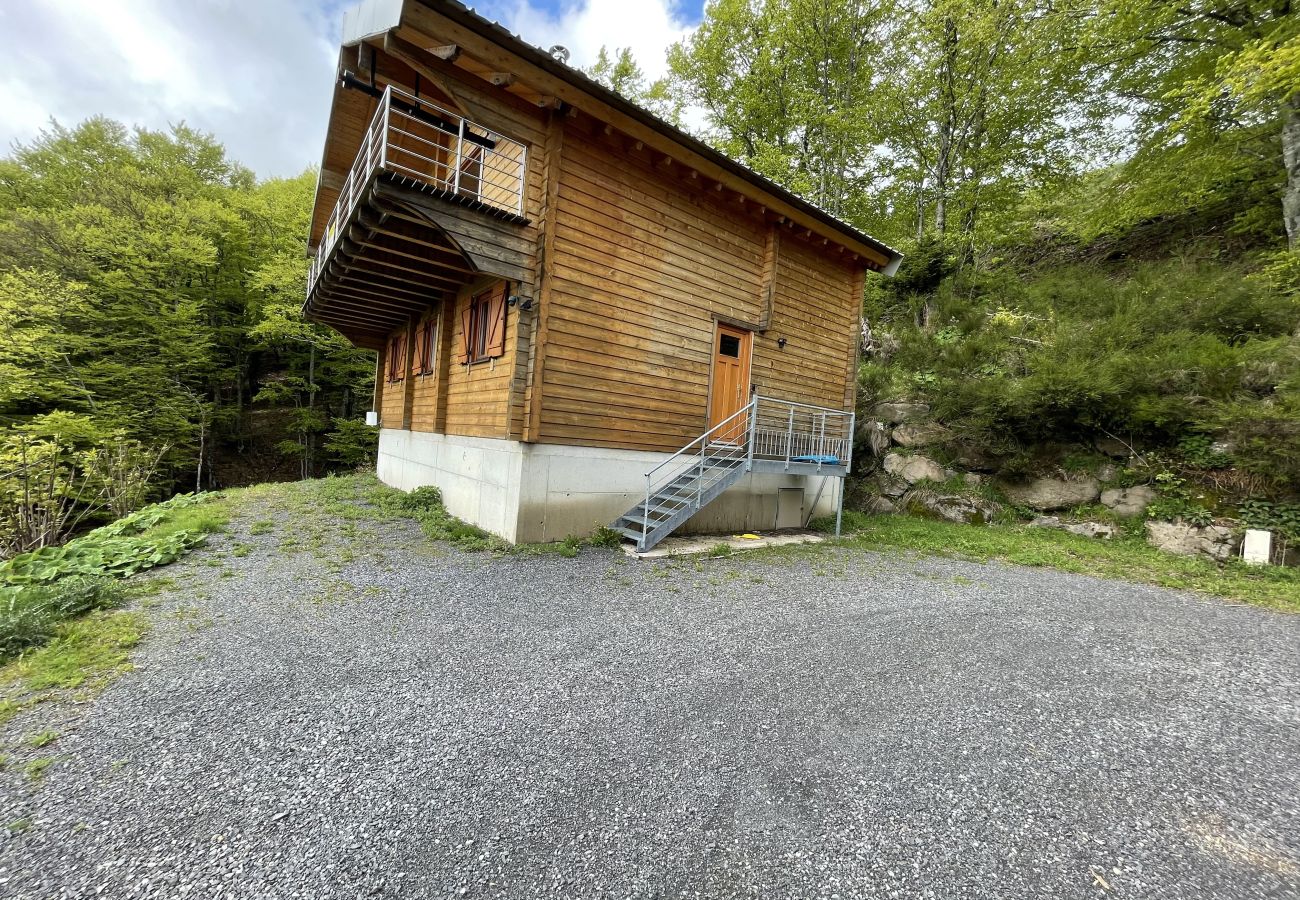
(255, 73)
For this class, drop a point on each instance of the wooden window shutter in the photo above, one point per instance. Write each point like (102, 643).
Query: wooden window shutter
(428, 333)
(399, 358)
(466, 317)
(496, 342)
(396, 354)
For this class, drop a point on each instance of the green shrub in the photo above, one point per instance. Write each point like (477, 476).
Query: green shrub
(604, 536)
(1176, 502)
(1283, 518)
(422, 499)
(1018, 357)
(1198, 451)
(351, 444)
(130, 545)
(30, 615)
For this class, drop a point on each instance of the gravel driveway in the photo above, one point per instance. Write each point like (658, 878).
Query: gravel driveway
(364, 715)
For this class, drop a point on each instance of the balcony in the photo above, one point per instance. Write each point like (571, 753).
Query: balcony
(408, 223)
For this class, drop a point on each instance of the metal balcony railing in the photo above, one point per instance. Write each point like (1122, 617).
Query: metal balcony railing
(421, 142)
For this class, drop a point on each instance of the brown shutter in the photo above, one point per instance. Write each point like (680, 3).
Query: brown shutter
(429, 332)
(394, 354)
(496, 342)
(465, 319)
(417, 360)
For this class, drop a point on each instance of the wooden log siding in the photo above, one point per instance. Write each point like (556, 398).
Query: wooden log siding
(393, 398)
(425, 408)
(644, 265)
(816, 311)
(630, 264)
(478, 396)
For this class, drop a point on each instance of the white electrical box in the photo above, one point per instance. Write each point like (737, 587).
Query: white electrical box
(372, 418)
(1257, 547)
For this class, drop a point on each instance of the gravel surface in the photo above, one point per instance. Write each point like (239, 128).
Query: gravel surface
(352, 712)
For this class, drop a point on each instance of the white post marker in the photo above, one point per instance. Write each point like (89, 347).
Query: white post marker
(1257, 546)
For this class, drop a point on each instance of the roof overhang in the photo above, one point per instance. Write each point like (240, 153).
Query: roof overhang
(455, 24)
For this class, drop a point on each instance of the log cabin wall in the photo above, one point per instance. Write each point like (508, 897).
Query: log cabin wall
(391, 401)
(424, 406)
(477, 399)
(646, 261)
(816, 308)
(633, 260)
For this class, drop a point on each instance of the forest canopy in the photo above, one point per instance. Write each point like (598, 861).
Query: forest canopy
(149, 296)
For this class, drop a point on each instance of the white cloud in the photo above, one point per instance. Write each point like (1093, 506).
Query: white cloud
(649, 27)
(257, 74)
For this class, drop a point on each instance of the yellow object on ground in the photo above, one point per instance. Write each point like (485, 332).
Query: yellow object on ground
(751, 537)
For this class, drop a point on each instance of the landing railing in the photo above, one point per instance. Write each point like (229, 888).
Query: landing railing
(794, 434)
(800, 433)
(420, 141)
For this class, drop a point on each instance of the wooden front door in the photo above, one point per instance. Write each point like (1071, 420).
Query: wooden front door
(730, 379)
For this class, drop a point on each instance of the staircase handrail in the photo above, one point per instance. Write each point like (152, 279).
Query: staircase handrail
(703, 439)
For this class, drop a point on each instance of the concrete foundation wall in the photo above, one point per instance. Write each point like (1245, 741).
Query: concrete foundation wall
(545, 492)
(479, 477)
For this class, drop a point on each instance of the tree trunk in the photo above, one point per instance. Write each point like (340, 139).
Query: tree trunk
(309, 461)
(920, 211)
(203, 441)
(1291, 160)
(948, 127)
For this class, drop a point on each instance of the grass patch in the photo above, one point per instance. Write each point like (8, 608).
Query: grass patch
(718, 551)
(324, 510)
(42, 738)
(317, 506)
(42, 590)
(603, 536)
(85, 654)
(35, 768)
(1125, 559)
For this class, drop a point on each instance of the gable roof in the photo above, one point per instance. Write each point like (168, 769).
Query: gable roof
(376, 16)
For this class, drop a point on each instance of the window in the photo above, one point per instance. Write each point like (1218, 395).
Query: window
(397, 357)
(483, 326)
(729, 345)
(424, 346)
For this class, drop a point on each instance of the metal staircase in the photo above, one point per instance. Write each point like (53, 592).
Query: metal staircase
(766, 435)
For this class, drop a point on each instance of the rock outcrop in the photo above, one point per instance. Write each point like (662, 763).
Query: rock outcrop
(920, 434)
(1084, 529)
(898, 411)
(1052, 493)
(1113, 447)
(914, 468)
(958, 508)
(1215, 541)
(875, 435)
(1130, 502)
(890, 485)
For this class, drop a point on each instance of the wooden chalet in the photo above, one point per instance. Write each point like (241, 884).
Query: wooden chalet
(583, 316)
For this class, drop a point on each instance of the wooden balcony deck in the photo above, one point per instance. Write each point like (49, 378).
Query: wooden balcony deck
(432, 201)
